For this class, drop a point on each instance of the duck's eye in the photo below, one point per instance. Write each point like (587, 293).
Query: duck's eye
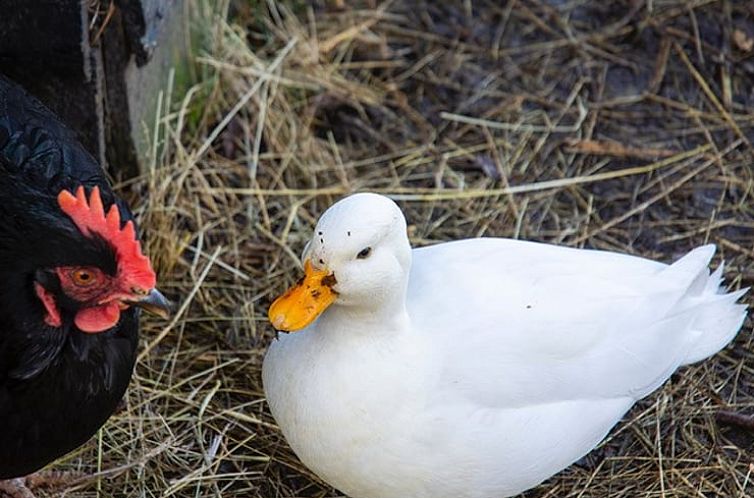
(82, 278)
(364, 253)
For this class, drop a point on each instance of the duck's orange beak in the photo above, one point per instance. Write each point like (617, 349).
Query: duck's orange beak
(302, 304)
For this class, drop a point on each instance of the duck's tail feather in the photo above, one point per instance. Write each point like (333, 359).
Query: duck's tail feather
(717, 323)
(718, 315)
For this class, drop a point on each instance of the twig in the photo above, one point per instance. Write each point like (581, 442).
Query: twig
(516, 126)
(603, 148)
(428, 194)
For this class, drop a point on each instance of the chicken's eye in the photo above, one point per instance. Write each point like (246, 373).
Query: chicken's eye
(82, 278)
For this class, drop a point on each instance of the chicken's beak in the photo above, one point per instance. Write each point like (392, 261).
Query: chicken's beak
(303, 303)
(155, 303)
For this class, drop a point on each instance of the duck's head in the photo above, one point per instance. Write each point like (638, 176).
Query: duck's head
(359, 256)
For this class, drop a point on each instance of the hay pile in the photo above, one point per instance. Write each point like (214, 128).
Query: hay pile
(618, 125)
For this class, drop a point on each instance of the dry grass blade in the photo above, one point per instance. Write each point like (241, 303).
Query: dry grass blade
(470, 111)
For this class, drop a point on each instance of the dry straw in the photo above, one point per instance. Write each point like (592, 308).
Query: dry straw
(615, 125)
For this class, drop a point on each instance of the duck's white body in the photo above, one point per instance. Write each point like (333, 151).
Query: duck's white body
(509, 361)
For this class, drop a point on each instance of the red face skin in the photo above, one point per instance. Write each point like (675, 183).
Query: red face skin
(52, 317)
(101, 296)
(100, 293)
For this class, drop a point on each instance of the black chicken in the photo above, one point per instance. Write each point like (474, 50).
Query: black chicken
(72, 280)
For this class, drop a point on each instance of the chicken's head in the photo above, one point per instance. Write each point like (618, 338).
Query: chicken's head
(107, 274)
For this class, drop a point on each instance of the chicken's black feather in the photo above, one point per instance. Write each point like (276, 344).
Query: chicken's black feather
(58, 385)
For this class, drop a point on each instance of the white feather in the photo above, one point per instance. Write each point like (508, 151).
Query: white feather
(489, 366)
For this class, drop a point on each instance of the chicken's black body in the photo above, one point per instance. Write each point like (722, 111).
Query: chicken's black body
(58, 385)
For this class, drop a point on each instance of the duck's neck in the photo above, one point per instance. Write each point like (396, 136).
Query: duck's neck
(384, 311)
(386, 317)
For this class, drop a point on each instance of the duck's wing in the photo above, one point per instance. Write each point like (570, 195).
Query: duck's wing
(519, 323)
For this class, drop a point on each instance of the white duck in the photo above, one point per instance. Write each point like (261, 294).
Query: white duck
(475, 368)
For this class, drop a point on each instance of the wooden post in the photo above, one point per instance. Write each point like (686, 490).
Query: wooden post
(98, 65)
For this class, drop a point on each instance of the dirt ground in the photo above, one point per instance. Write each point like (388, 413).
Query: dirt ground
(617, 125)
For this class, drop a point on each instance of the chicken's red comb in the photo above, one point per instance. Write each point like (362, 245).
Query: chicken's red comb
(134, 268)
